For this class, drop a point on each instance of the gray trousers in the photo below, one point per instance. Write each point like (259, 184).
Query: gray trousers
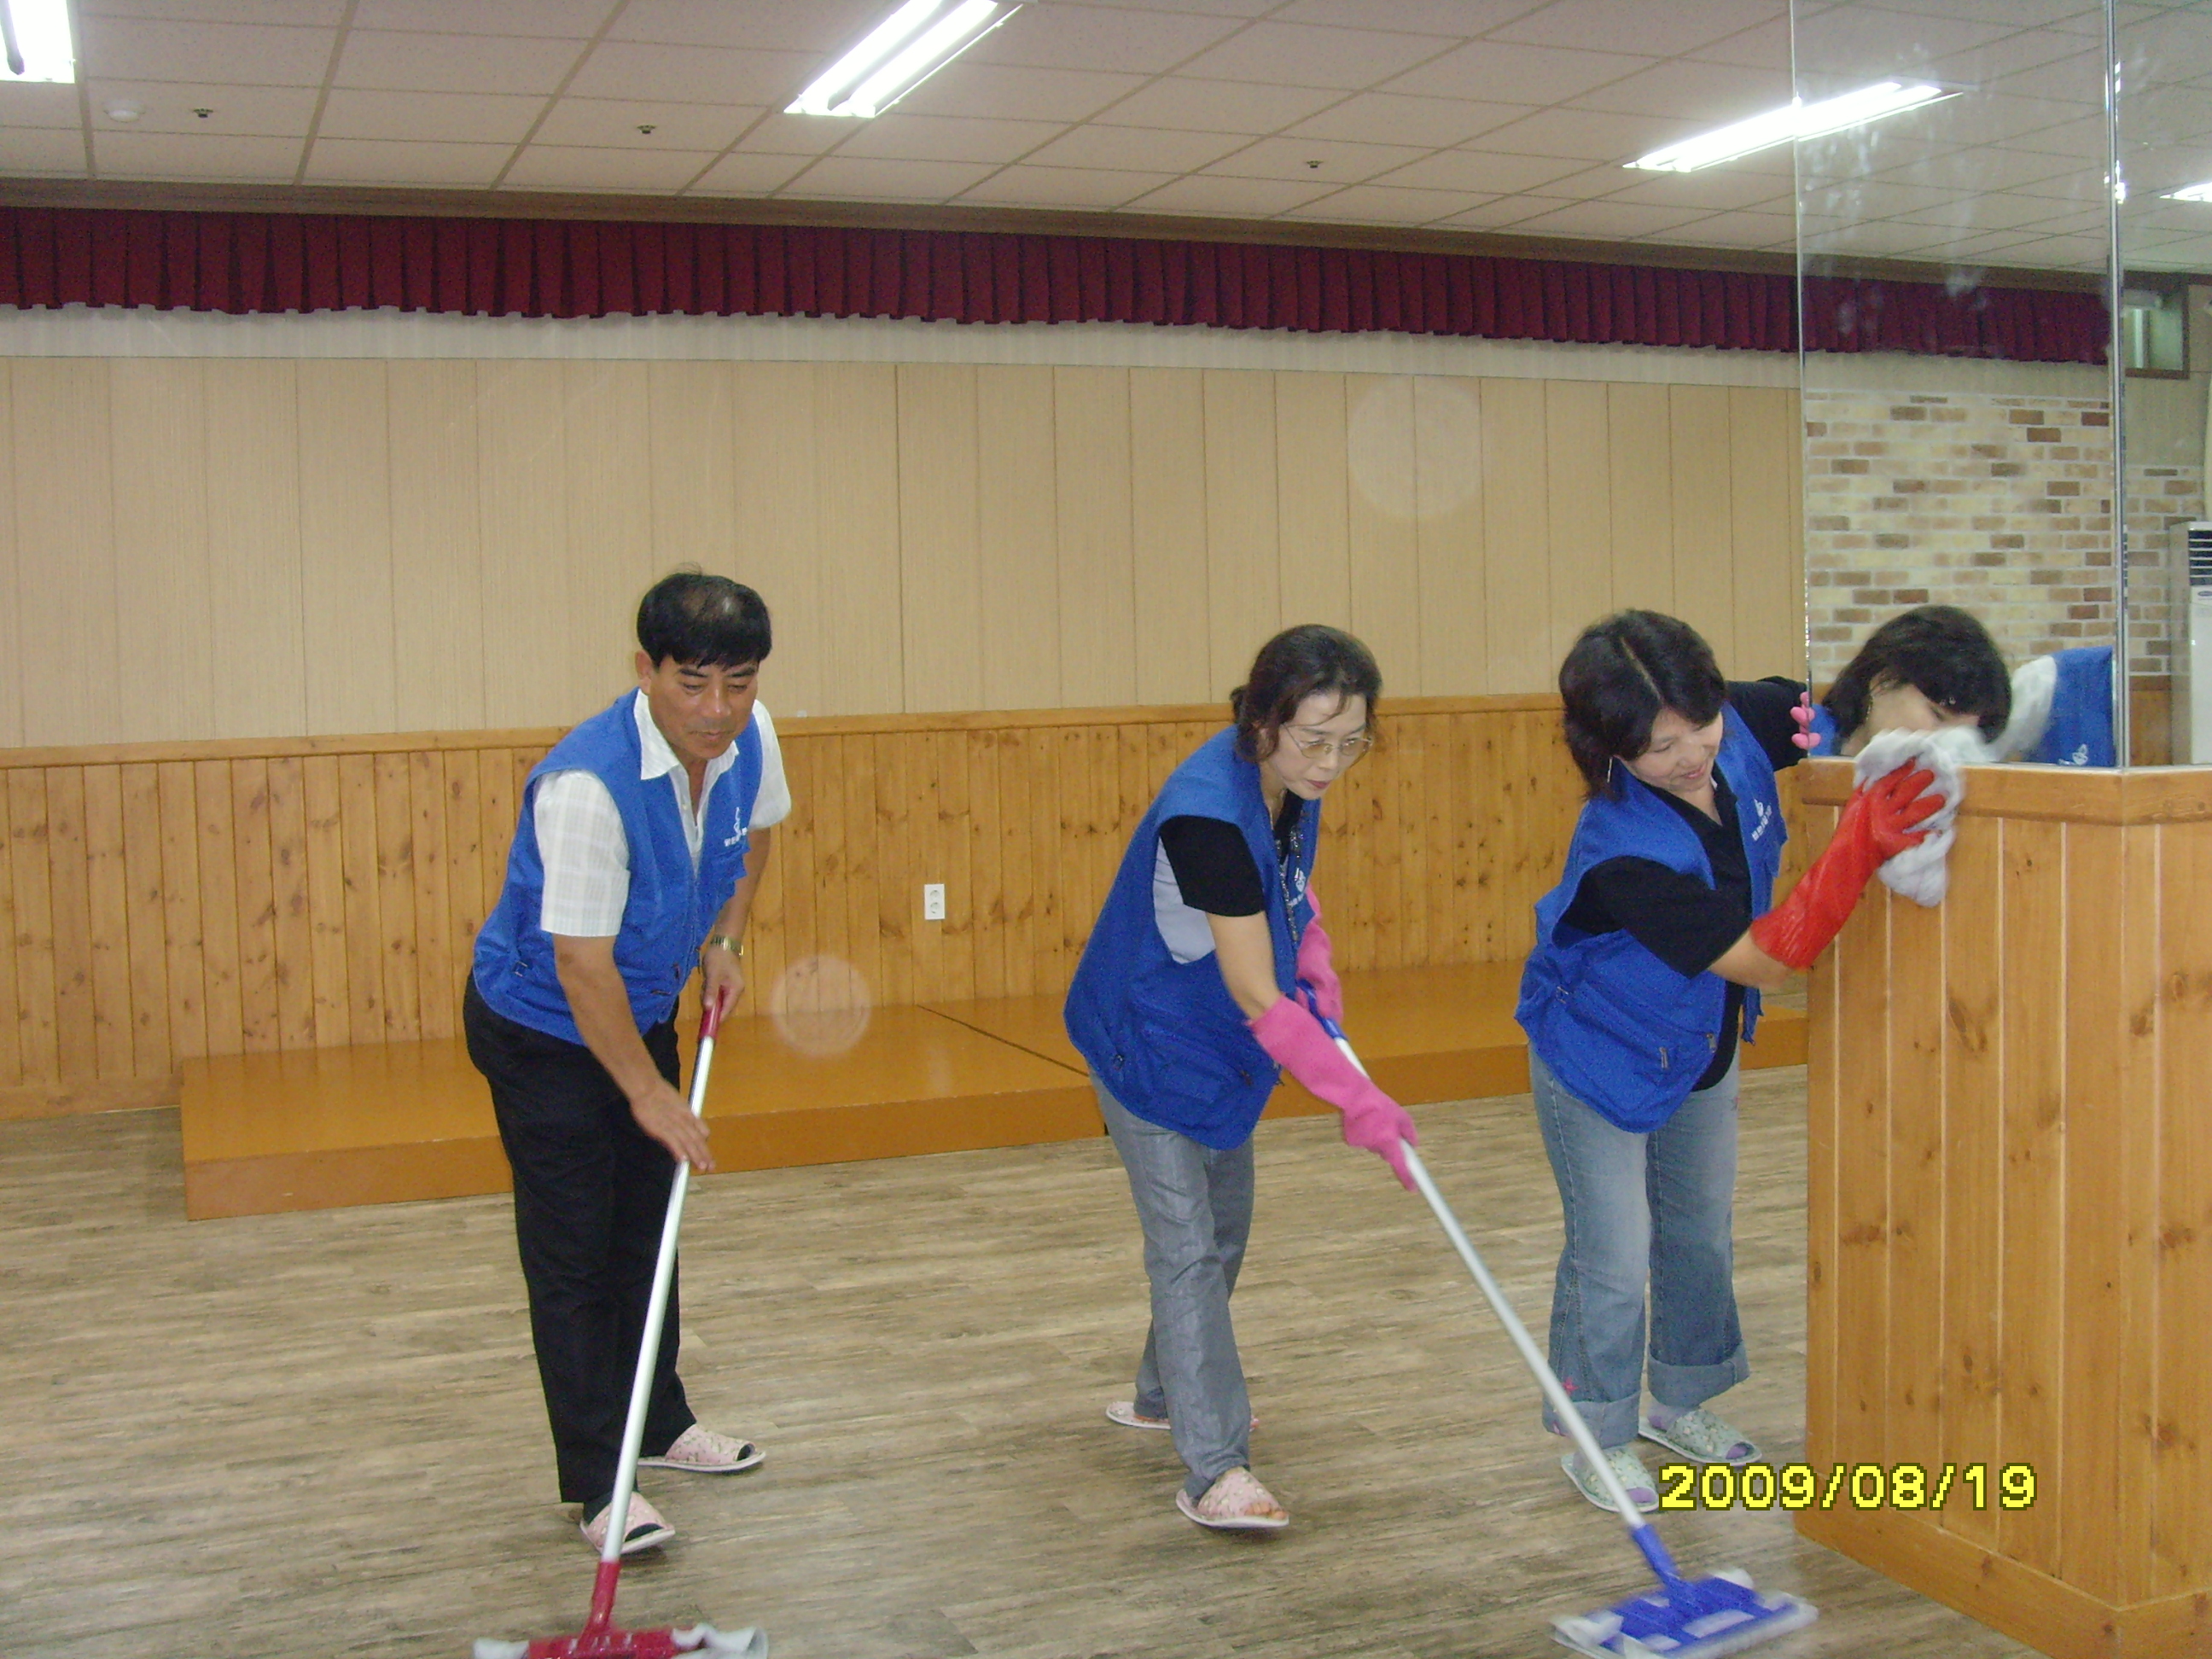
(1195, 1206)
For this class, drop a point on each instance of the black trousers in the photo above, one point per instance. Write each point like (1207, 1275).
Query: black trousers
(591, 1193)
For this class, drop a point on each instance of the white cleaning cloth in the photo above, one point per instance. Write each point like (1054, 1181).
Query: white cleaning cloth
(1921, 872)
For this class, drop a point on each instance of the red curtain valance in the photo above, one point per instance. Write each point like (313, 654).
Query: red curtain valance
(251, 261)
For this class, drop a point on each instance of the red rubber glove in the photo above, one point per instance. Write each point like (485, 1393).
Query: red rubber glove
(1876, 825)
(1372, 1120)
(1315, 969)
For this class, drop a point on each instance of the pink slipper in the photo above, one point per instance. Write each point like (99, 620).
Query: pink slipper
(1125, 1412)
(702, 1450)
(1235, 1503)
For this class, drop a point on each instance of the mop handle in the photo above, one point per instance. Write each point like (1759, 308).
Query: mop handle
(656, 1311)
(1562, 1407)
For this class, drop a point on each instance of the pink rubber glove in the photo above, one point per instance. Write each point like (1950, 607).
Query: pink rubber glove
(1315, 970)
(1372, 1120)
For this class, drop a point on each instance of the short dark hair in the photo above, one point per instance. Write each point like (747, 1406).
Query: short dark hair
(1620, 675)
(1298, 663)
(1941, 652)
(702, 620)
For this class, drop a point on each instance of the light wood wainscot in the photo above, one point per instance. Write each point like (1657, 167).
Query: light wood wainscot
(2010, 1214)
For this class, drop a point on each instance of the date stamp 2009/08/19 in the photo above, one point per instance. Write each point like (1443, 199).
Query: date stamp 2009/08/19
(1860, 1486)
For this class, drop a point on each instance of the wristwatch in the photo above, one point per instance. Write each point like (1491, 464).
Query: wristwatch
(736, 947)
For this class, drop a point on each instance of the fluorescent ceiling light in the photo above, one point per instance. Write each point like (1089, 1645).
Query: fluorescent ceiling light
(2191, 192)
(37, 41)
(1796, 119)
(903, 51)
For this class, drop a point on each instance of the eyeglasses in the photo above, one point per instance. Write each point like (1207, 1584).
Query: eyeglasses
(1346, 749)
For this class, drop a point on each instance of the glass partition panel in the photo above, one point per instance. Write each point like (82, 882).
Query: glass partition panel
(1954, 262)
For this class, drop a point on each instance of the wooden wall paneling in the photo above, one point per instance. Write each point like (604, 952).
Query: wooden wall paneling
(392, 830)
(895, 782)
(1863, 1209)
(1016, 538)
(323, 853)
(2035, 1241)
(522, 501)
(1578, 502)
(11, 1058)
(437, 553)
(1104, 839)
(1243, 566)
(1312, 492)
(437, 981)
(2181, 1472)
(1913, 1413)
(65, 593)
(180, 888)
(610, 559)
(163, 623)
(299, 949)
(1770, 599)
(830, 850)
(1515, 537)
(792, 881)
(498, 808)
(145, 921)
(856, 448)
(864, 942)
(1383, 570)
(778, 525)
(941, 620)
(2143, 1078)
(1699, 450)
(38, 966)
(1448, 486)
(256, 652)
(1028, 780)
(692, 413)
(11, 656)
(946, 791)
(1823, 1140)
(1093, 497)
(239, 809)
(999, 867)
(1973, 1198)
(222, 908)
(1640, 471)
(107, 920)
(1168, 473)
(348, 619)
(1070, 804)
(1410, 823)
(75, 1001)
(358, 921)
(462, 823)
(1471, 884)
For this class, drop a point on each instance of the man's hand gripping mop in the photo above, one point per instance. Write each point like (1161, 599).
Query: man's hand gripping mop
(600, 1638)
(1684, 1618)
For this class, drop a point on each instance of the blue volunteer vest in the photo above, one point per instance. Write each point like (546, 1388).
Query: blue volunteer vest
(671, 908)
(1622, 1032)
(1164, 1037)
(2081, 729)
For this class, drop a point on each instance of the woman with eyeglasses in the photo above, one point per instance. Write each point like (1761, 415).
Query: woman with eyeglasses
(1191, 991)
(1651, 955)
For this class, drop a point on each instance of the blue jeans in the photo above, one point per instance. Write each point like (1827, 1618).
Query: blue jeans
(1654, 1209)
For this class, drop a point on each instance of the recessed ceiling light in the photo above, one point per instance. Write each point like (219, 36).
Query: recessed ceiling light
(916, 41)
(2191, 192)
(36, 34)
(1795, 119)
(122, 109)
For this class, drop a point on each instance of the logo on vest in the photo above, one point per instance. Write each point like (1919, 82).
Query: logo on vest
(737, 840)
(1765, 817)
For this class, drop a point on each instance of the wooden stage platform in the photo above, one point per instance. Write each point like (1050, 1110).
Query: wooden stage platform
(378, 1123)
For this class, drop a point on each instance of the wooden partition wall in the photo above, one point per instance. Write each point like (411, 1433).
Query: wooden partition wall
(166, 901)
(2010, 1216)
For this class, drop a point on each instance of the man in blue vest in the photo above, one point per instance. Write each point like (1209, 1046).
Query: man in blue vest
(641, 839)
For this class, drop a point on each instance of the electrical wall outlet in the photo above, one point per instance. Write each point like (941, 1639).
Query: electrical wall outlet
(933, 901)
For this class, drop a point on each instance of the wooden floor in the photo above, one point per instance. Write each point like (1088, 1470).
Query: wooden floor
(319, 1433)
(382, 1123)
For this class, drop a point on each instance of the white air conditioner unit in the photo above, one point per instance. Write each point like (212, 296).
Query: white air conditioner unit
(2192, 705)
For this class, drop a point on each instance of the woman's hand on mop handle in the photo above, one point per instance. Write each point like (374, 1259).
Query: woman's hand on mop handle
(1880, 820)
(1299, 1042)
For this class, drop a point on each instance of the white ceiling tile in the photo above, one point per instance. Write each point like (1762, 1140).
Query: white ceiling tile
(948, 138)
(167, 107)
(2078, 183)
(432, 117)
(1507, 75)
(1299, 54)
(2166, 115)
(1499, 213)
(1586, 135)
(1867, 198)
(742, 174)
(1140, 149)
(1988, 118)
(375, 161)
(818, 27)
(1993, 168)
(2079, 78)
(2082, 141)
(1606, 219)
(1766, 47)
(1660, 30)
(567, 20)
(557, 167)
(1480, 172)
(1714, 189)
(1197, 106)
(36, 104)
(1094, 188)
(221, 53)
(161, 155)
(1383, 204)
(1195, 8)
(777, 134)
(1051, 36)
(1368, 117)
(41, 152)
(612, 123)
(877, 179)
(1989, 244)
(1987, 211)
(327, 13)
(1295, 159)
(1705, 95)
(2060, 253)
(1775, 230)
(1886, 239)
(2033, 56)
(1236, 198)
(453, 63)
(2019, 14)
(694, 75)
(1850, 44)
(1006, 93)
(1458, 19)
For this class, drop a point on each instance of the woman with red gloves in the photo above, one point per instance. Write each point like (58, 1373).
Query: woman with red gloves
(1651, 955)
(1191, 992)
